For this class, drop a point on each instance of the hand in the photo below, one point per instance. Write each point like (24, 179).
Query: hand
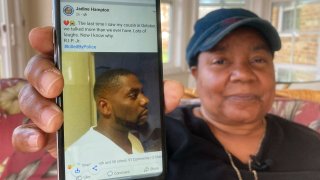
(37, 98)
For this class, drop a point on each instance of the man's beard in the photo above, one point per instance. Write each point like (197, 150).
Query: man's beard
(132, 125)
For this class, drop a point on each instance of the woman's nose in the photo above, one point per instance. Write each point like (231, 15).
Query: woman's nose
(242, 72)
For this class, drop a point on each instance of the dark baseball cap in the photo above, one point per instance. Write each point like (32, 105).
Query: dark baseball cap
(213, 27)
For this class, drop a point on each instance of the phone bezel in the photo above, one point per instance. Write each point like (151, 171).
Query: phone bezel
(59, 100)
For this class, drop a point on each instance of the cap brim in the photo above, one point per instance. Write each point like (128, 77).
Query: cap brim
(264, 27)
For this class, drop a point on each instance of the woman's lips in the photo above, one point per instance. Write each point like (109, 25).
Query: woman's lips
(243, 97)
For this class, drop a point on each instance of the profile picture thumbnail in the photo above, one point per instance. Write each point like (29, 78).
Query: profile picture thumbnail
(68, 10)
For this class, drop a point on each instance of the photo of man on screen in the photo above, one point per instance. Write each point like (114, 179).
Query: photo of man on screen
(122, 108)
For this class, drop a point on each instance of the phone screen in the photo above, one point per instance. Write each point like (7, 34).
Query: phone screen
(109, 52)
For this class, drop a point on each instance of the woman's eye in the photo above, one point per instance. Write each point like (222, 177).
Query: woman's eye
(259, 60)
(218, 61)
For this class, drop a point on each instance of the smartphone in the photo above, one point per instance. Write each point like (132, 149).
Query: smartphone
(109, 52)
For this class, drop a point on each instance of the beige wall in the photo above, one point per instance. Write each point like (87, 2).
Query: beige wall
(36, 13)
(78, 101)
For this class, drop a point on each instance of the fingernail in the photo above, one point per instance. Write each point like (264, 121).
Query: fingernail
(27, 70)
(21, 91)
(33, 140)
(48, 116)
(51, 76)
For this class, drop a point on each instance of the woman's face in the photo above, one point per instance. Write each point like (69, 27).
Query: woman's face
(235, 79)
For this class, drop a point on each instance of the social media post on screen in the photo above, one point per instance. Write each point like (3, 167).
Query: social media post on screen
(108, 26)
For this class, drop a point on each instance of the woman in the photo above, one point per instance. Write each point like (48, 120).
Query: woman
(230, 135)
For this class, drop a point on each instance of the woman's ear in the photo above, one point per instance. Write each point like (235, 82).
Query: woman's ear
(104, 107)
(194, 72)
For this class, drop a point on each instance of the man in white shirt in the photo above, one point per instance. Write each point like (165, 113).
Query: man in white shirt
(122, 107)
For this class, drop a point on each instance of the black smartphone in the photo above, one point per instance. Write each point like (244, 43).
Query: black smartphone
(109, 52)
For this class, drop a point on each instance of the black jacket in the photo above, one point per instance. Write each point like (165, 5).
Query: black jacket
(288, 151)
